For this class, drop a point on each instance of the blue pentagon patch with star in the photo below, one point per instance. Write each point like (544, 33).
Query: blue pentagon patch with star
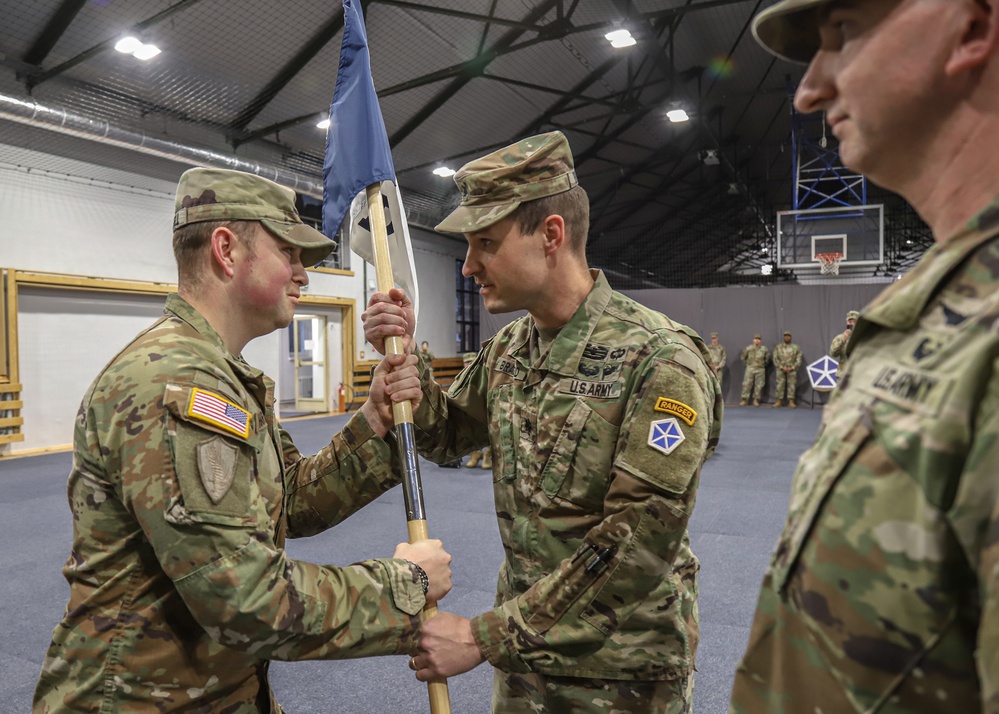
(665, 435)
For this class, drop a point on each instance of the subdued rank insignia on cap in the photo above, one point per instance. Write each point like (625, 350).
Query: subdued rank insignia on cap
(217, 464)
(671, 406)
(665, 435)
(213, 409)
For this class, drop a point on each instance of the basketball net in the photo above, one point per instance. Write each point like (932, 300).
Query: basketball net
(829, 263)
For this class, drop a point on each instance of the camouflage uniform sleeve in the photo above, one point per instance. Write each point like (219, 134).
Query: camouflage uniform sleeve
(745, 354)
(724, 357)
(836, 348)
(975, 518)
(630, 553)
(220, 552)
(348, 473)
(796, 361)
(453, 423)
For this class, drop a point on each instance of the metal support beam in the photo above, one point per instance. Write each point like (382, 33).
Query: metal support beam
(326, 33)
(54, 29)
(38, 78)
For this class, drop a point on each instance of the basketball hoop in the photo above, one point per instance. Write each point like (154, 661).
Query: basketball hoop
(829, 263)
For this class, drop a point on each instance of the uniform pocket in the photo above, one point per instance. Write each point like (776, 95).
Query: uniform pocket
(578, 468)
(504, 432)
(821, 467)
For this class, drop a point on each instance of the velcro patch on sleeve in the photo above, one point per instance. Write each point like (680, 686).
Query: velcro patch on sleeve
(220, 413)
(672, 406)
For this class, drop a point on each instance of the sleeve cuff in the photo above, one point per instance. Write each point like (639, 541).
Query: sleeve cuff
(496, 639)
(407, 591)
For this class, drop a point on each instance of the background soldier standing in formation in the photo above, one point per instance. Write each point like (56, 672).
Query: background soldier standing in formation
(756, 357)
(184, 488)
(596, 605)
(837, 350)
(883, 591)
(717, 357)
(787, 359)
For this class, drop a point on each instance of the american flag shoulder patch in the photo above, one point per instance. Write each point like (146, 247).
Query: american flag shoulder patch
(213, 409)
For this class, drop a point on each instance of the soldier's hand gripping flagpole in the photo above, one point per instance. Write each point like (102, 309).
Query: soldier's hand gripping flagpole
(358, 159)
(402, 412)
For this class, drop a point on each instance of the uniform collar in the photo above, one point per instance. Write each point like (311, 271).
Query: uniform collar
(900, 306)
(567, 349)
(180, 308)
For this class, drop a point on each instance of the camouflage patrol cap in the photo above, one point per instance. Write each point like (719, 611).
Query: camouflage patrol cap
(757, 336)
(853, 315)
(226, 195)
(714, 334)
(494, 186)
(787, 332)
(790, 29)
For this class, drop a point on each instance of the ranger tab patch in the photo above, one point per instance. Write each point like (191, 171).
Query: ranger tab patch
(665, 435)
(671, 406)
(221, 413)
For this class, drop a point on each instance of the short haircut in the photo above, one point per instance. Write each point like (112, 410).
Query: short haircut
(191, 240)
(574, 207)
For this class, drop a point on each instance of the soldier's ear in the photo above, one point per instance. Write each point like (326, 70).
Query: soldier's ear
(553, 228)
(223, 241)
(979, 28)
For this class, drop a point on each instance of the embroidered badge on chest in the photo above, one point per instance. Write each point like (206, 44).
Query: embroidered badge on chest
(217, 464)
(665, 435)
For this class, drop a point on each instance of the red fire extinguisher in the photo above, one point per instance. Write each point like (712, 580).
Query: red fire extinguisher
(343, 398)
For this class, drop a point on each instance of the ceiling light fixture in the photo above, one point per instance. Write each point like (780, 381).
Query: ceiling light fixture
(444, 171)
(620, 38)
(677, 115)
(137, 48)
(323, 123)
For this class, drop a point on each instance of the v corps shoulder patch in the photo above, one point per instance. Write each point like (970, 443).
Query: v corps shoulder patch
(220, 413)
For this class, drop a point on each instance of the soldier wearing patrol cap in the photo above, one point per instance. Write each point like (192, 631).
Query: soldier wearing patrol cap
(184, 488)
(837, 350)
(599, 413)
(882, 594)
(756, 356)
(717, 356)
(787, 359)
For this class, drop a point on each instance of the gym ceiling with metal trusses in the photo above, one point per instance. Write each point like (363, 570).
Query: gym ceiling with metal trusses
(689, 204)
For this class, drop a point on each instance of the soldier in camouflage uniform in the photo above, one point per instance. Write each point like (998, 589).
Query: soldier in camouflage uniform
(756, 357)
(787, 359)
(882, 594)
(837, 350)
(599, 413)
(428, 356)
(717, 357)
(184, 488)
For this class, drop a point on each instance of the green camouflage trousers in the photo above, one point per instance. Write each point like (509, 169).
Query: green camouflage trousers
(786, 380)
(541, 694)
(753, 382)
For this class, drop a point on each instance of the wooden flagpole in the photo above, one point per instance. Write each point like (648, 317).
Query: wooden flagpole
(402, 412)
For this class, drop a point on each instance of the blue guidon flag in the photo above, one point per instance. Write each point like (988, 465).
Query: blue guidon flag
(358, 155)
(665, 435)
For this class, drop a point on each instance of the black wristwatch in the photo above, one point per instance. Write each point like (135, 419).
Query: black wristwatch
(422, 575)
